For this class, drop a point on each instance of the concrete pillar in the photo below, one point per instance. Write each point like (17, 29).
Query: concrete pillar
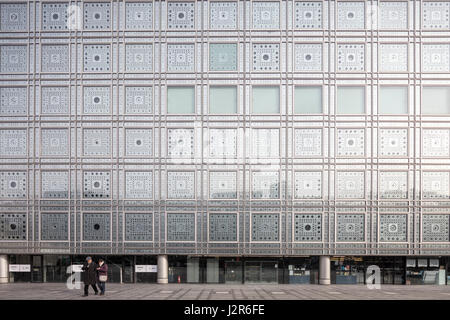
(4, 269)
(324, 270)
(163, 269)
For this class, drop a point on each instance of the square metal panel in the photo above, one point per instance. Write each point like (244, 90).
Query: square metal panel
(139, 15)
(97, 58)
(139, 57)
(13, 184)
(138, 100)
(139, 185)
(180, 57)
(96, 226)
(13, 142)
(222, 185)
(308, 57)
(351, 15)
(393, 185)
(350, 227)
(435, 143)
(222, 143)
(54, 226)
(181, 185)
(223, 227)
(393, 15)
(180, 227)
(265, 227)
(55, 58)
(13, 17)
(308, 142)
(97, 184)
(54, 16)
(435, 228)
(393, 227)
(435, 15)
(139, 142)
(55, 100)
(350, 185)
(139, 227)
(96, 142)
(350, 142)
(223, 57)
(55, 142)
(350, 57)
(308, 185)
(265, 143)
(13, 59)
(13, 101)
(180, 15)
(266, 57)
(393, 142)
(435, 185)
(96, 100)
(54, 184)
(308, 15)
(265, 185)
(13, 226)
(435, 57)
(180, 143)
(222, 15)
(308, 227)
(393, 57)
(266, 15)
(97, 15)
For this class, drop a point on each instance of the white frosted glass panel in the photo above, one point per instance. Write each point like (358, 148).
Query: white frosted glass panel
(266, 100)
(350, 100)
(393, 100)
(222, 100)
(308, 100)
(436, 100)
(180, 100)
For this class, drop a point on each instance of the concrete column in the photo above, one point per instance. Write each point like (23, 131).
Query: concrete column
(4, 269)
(163, 269)
(324, 270)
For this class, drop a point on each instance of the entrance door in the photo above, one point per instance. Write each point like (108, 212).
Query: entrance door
(261, 272)
(233, 272)
(36, 269)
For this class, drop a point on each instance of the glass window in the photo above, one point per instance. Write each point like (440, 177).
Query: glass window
(393, 100)
(308, 100)
(222, 100)
(180, 100)
(350, 100)
(266, 100)
(436, 100)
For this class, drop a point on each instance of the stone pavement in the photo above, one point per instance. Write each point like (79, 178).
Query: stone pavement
(58, 291)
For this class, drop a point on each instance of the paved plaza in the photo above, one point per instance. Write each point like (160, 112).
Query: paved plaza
(58, 291)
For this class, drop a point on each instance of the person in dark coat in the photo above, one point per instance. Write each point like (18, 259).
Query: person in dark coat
(90, 276)
(102, 271)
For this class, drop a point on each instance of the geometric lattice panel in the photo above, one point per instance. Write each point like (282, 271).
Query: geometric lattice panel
(139, 185)
(54, 184)
(180, 185)
(54, 16)
(222, 185)
(266, 15)
(222, 143)
(139, 57)
(223, 57)
(308, 185)
(265, 227)
(393, 15)
(393, 57)
(13, 226)
(13, 184)
(393, 185)
(97, 16)
(307, 227)
(97, 100)
(139, 226)
(13, 101)
(350, 185)
(13, 142)
(266, 57)
(435, 227)
(97, 58)
(222, 15)
(139, 16)
(180, 15)
(97, 184)
(180, 57)
(180, 227)
(13, 16)
(393, 142)
(97, 142)
(54, 226)
(55, 58)
(435, 143)
(308, 15)
(435, 15)
(54, 142)
(13, 59)
(350, 227)
(350, 15)
(55, 100)
(96, 226)
(265, 143)
(393, 227)
(435, 58)
(350, 57)
(350, 142)
(180, 143)
(435, 185)
(308, 57)
(265, 185)
(139, 142)
(308, 142)
(222, 227)
(138, 100)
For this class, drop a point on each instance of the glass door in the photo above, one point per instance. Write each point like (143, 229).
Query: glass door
(233, 272)
(36, 269)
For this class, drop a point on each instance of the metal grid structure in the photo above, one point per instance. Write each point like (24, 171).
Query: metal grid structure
(110, 141)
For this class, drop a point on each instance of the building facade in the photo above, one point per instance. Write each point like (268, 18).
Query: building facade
(226, 141)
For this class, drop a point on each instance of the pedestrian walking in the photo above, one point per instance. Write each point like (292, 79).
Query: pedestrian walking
(102, 271)
(90, 276)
